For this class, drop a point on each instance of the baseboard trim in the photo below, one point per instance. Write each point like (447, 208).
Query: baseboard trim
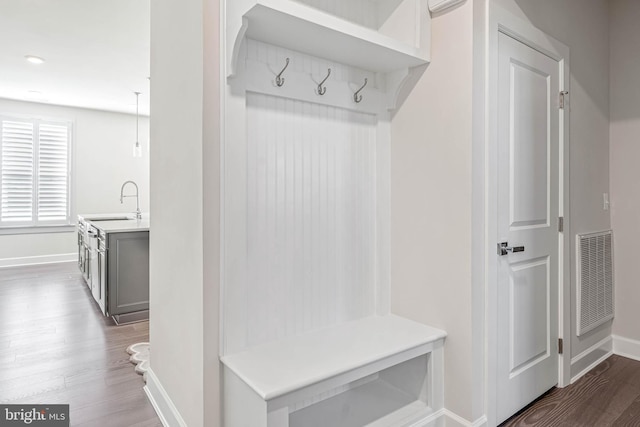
(626, 347)
(432, 420)
(604, 346)
(35, 260)
(170, 417)
(446, 418)
(481, 422)
(164, 407)
(456, 420)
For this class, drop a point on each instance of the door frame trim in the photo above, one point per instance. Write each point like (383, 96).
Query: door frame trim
(502, 21)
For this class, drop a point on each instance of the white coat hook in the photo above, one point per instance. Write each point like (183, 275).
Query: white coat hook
(321, 89)
(279, 78)
(356, 96)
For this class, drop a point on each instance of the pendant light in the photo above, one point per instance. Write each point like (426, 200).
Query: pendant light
(137, 148)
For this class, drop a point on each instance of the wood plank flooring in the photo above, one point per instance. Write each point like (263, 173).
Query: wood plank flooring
(609, 395)
(57, 347)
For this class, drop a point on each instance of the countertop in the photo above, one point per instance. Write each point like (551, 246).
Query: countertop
(93, 216)
(122, 226)
(117, 225)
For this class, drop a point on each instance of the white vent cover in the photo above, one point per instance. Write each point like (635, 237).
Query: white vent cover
(594, 280)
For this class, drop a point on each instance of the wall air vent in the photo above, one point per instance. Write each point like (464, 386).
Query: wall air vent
(594, 280)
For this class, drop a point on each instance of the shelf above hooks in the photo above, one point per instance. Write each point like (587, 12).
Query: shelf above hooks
(391, 52)
(327, 36)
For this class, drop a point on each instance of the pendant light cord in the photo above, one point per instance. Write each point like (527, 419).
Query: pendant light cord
(137, 118)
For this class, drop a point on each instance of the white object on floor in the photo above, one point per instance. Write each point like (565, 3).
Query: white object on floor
(140, 357)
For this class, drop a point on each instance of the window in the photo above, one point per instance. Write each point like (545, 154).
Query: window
(34, 173)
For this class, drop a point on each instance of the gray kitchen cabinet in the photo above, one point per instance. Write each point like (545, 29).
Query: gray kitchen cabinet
(99, 285)
(127, 272)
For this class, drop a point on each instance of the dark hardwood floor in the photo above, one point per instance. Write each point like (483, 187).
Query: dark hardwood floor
(609, 395)
(57, 347)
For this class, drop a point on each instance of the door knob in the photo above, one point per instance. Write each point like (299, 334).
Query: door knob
(505, 249)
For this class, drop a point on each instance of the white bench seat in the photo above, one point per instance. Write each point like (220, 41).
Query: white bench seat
(287, 374)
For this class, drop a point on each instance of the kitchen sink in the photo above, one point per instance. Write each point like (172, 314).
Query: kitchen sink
(113, 218)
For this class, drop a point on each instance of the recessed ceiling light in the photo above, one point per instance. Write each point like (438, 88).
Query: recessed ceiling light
(34, 59)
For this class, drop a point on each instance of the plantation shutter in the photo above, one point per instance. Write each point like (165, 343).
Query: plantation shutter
(53, 173)
(17, 169)
(34, 173)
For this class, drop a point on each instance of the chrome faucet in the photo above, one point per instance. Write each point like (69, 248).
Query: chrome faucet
(122, 196)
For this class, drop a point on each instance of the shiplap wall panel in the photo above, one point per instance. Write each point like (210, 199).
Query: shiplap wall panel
(311, 217)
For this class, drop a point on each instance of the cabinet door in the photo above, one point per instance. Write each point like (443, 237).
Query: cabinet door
(80, 251)
(102, 279)
(128, 272)
(94, 268)
(86, 272)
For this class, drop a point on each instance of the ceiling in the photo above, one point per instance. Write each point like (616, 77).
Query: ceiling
(96, 52)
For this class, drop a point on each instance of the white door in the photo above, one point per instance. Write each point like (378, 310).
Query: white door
(528, 174)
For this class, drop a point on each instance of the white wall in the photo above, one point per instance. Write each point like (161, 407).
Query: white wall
(584, 27)
(431, 201)
(102, 160)
(185, 206)
(432, 185)
(625, 157)
(211, 221)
